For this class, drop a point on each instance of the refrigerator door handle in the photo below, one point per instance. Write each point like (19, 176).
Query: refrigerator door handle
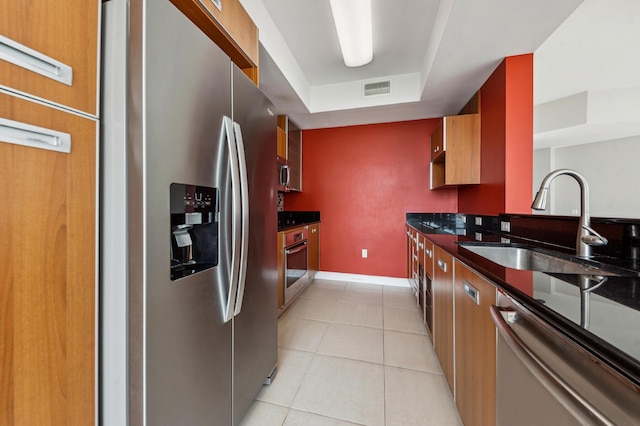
(236, 209)
(244, 189)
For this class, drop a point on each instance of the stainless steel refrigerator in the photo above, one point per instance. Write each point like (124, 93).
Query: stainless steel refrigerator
(188, 241)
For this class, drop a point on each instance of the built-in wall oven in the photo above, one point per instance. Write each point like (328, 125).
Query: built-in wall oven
(296, 273)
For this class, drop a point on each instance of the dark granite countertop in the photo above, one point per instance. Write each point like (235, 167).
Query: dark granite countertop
(295, 219)
(613, 333)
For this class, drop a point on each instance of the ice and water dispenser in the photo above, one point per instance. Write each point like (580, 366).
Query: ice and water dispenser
(194, 229)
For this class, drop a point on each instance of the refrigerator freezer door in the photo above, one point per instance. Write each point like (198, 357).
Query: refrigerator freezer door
(255, 335)
(180, 93)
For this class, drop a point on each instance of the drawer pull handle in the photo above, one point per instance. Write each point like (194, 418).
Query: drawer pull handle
(429, 253)
(442, 265)
(37, 137)
(22, 56)
(471, 291)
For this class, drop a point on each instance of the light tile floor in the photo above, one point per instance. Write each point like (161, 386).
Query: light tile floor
(354, 354)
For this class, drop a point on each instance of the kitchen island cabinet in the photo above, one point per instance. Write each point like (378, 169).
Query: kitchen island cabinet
(476, 283)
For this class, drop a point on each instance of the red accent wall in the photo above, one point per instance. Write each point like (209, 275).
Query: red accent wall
(506, 108)
(363, 180)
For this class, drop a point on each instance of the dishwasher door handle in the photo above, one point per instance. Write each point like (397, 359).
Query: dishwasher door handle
(581, 409)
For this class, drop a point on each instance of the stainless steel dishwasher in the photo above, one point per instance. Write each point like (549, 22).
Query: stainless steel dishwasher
(545, 378)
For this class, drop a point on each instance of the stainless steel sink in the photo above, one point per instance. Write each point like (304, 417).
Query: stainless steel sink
(532, 259)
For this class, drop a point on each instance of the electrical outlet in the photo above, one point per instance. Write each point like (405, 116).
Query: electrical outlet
(479, 221)
(478, 236)
(364, 253)
(505, 226)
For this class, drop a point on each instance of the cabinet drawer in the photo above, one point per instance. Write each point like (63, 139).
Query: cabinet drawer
(48, 268)
(39, 38)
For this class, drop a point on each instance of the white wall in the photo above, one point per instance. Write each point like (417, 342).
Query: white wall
(591, 58)
(612, 169)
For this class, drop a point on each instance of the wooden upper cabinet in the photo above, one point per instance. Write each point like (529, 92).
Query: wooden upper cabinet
(294, 156)
(55, 50)
(282, 136)
(437, 141)
(290, 148)
(230, 27)
(455, 151)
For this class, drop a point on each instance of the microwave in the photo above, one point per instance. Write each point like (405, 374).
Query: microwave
(283, 174)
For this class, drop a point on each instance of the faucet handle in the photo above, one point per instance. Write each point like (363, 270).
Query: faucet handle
(594, 238)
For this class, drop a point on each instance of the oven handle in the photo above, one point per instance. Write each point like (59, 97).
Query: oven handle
(565, 394)
(298, 248)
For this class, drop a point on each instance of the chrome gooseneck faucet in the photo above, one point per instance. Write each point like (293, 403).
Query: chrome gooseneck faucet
(587, 237)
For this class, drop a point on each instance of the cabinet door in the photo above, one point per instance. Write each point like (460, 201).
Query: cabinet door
(421, 277)
(280, 269)
(46, 37)
(409, 251)
(475, 338)
(428, 284)
(428, 258)
(459, 136)
(47, 271)
(294, 155)
(281, 149)
(437, 141)
(314, 249)
(443, 312)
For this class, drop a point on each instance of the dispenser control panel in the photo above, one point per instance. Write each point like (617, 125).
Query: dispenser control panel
(194, 229)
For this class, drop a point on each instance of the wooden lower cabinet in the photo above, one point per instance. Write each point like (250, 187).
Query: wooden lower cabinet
(443, 312)
(475, 347)
(47, 272)
(313, 259)
(280, 269)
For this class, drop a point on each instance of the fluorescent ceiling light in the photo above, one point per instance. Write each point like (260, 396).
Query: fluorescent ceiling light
(353, 23)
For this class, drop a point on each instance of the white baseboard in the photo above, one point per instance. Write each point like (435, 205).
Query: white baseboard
(369, 279)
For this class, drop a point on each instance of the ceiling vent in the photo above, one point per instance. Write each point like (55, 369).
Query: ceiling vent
(377, 88)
